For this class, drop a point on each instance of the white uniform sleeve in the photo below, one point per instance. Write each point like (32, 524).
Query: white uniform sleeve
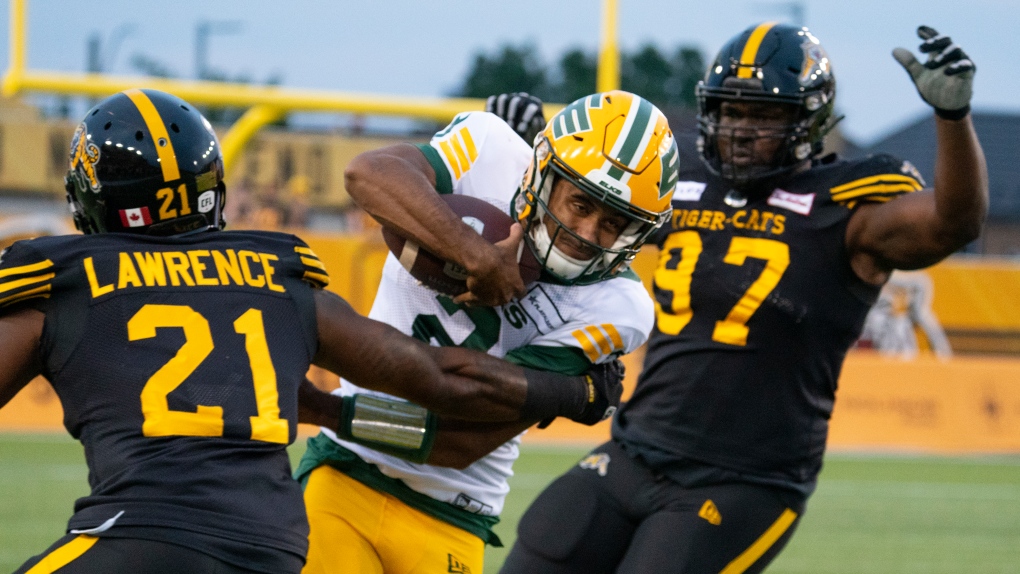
(482, 156)
(615, 319)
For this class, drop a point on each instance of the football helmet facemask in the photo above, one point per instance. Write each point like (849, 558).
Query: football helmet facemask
(771, 64)
(144, 161)
(617, 147)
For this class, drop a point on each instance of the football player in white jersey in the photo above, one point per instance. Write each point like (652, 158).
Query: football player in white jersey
(595, 185)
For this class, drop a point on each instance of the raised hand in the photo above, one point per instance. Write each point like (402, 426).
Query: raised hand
(946, 79)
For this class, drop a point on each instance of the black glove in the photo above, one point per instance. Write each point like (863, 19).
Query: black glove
(605, 387)
(587, 399)
(946, 80)
(521, 110)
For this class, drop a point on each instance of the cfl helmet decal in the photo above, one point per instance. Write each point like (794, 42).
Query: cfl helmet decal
(144, 161)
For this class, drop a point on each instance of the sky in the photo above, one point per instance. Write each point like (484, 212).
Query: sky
(413, 48)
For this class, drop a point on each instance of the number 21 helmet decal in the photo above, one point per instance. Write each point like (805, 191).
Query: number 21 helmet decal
(144, 161)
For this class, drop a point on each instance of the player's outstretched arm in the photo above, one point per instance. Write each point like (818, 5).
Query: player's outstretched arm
(375, 356)
(440, 441)
(923, 228)
(317, 407)
(451, 381)
(459, 443)
(396, 186)
(20, 333)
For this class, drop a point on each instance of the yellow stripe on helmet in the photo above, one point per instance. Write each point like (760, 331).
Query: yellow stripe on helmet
(153, 121)
(747, 57)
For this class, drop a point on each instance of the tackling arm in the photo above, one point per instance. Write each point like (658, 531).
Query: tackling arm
(460, 443)
(452, 381)
(375, 356)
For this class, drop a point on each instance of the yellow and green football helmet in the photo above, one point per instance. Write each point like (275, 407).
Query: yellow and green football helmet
(618, 148)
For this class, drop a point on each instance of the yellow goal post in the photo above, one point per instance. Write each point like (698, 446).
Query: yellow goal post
(265, 104)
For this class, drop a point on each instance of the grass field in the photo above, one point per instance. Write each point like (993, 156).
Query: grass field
(871, 514)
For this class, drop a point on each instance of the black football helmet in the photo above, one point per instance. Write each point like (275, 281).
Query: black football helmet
(773, 64)
(144, 161)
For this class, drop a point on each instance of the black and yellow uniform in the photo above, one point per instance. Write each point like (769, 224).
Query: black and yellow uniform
(756, 307)
(177, 362)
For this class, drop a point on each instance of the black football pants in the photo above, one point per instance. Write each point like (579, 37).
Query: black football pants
(612, 514)
(75, 554)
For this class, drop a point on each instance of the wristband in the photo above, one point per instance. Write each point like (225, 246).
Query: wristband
(953, 115)
(388, 425)
(552, 395)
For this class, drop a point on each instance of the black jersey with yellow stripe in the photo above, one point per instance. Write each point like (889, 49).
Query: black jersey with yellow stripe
(177, 363)
(756, 307)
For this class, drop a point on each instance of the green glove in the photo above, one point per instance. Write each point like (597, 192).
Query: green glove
(945, 81)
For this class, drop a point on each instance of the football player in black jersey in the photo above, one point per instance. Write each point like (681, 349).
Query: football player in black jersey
(772, 259)
(179, 354)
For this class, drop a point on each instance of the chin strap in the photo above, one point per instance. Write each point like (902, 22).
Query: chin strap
(388, 425)
(556, 261)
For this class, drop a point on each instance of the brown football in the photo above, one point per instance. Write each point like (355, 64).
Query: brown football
(449, 278)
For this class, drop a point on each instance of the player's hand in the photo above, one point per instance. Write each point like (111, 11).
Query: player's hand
(946, 79)
(497, 278)
(521, 110)
(605, 387)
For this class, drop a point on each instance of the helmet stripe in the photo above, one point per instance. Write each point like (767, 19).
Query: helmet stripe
(635, 131)
(581, 120)
(669, 174)
(157, 129)
(750, 53)
(573, 119)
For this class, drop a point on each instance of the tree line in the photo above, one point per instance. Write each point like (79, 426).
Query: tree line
(665, 79)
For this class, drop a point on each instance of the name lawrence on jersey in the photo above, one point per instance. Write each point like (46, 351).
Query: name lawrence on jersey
(191, 268)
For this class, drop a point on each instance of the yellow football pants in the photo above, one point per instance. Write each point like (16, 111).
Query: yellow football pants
(358, 530)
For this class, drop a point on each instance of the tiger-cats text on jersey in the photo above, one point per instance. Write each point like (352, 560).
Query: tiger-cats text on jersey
(756, 307)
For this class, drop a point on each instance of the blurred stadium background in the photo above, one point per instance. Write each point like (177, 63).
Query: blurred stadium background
(924, 467)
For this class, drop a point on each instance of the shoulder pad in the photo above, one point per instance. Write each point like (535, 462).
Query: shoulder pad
(315, 272)
(312, 270)
(25, 274)
(876, 178)
(458, 143)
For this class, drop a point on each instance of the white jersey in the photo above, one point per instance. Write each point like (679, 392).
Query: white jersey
(553, 327)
